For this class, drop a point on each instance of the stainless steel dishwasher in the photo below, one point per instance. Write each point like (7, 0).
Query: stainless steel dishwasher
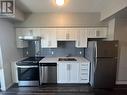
(48, 73)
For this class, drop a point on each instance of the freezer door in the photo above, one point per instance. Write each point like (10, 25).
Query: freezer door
(105, 73)
(107, 49)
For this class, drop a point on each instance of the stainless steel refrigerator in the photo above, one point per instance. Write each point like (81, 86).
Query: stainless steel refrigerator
(103, 58)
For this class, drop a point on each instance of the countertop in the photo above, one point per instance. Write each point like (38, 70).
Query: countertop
(55, 60)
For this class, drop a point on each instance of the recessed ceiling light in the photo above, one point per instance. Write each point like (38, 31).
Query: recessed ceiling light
(60, 2)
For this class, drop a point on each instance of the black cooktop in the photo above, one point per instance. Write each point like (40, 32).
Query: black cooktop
(29, 61)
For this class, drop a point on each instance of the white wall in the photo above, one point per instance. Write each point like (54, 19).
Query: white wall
(9, 50)
(2, 80)
(111, 29)
(19, 15)
(61, 19)
(121, 35)
(112, 7)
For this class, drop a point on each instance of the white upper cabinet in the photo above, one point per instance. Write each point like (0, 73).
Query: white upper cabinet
(21, 32)
(100, 32)
(31, 31)
(20, 43)
(66, 34)
(48, 37)
(81, 35)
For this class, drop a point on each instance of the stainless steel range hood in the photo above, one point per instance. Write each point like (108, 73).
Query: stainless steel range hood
(29, 37)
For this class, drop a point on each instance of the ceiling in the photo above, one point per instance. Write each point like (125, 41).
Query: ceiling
(40, 6)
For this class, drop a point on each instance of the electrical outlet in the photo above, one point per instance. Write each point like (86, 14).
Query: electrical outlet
(80, 52)
(52, 53)
(27, 53)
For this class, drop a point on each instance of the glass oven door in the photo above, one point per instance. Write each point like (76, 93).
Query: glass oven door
(28, 75)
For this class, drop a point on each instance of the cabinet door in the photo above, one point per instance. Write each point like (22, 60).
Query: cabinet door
(48, 38)
(31, 31)
(74, 72)
(20, 43)
(28, 31)
(52, 39)
(61, 34)
(36, 32)
(66, 34)
(81, 41)
(91, 32)
(44, 37)
(99, 32)
(71, 34)
(62, 72)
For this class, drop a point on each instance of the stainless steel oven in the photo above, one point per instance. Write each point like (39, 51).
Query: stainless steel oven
(28, 75)
(28, 71)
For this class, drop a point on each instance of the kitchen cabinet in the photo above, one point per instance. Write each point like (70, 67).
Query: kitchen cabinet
(74, 72)
(68, 72)
(84, 73)
(48, 38)
(100, 32)
(20, 43)
(31, 31)
(66, 34)
(21, 32)
(81, 41)
(62, 73)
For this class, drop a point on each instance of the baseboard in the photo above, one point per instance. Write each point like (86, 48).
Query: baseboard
(121, 82)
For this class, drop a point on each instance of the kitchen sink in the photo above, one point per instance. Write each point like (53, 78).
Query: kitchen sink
(67, 59)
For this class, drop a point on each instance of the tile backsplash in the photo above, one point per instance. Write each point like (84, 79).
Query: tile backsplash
(64, 48)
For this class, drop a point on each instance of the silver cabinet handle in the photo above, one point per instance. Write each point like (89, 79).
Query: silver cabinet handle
(68, 67)
(78, 43)
(97, 33)
(67, 36)
(31, 32)
(27, 66)
(49, 43)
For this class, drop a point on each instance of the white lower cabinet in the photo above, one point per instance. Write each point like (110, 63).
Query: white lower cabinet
(84, 73)
(62, 73)
(67, 72)
(72, 73)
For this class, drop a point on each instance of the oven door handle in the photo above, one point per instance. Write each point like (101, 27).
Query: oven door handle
(27, 66)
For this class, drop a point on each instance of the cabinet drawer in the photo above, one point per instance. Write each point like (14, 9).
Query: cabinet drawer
(84, 64)
(84, 69)
(84, 80)
(83, 73)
